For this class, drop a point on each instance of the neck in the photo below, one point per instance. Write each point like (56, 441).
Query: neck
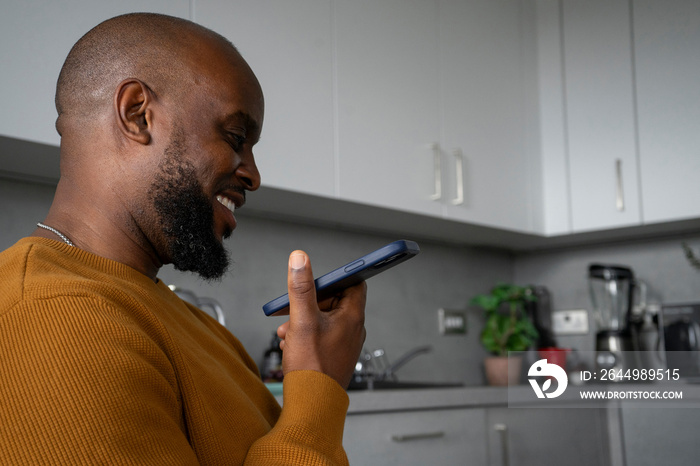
(100, 232)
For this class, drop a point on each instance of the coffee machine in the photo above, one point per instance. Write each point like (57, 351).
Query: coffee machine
(613, 290)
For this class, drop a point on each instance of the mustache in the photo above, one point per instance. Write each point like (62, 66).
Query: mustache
(232, 187)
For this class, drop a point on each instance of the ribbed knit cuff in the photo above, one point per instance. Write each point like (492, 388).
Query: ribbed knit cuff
(316, 405)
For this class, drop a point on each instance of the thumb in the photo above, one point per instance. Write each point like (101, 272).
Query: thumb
(300, 285)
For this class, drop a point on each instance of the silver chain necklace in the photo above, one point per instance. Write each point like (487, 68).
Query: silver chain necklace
(57, 233)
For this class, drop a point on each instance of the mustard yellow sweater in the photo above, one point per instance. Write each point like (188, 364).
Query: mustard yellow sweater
(100, 365)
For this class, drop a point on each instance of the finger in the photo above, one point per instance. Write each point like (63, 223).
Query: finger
(282, 330)
(282, 333)
(356, 296)
(351, 297)
(300, 286)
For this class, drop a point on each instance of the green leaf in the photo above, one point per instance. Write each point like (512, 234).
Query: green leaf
(506, 329)
(488, 302)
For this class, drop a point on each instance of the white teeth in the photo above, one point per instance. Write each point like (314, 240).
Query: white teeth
(226, 202)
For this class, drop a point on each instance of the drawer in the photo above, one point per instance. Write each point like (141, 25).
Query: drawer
(435, 437)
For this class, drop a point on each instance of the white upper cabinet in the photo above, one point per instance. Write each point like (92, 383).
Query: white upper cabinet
(556, 213)
(387, 103)
(35, 38)
(599, 99)
(619, 144)
(667, 56)
(534, 116)
(432, 106)
(288, 44)
(488, 103)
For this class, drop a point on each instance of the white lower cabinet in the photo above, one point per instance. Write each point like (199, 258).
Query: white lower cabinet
(654, 436)
(494, 436)
(433, 437)
(547, 436)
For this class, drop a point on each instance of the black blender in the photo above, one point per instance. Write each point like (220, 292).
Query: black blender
(612, 291)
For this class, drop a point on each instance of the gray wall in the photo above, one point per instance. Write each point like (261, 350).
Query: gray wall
(402, 305)
(401, 308)
(660, 263)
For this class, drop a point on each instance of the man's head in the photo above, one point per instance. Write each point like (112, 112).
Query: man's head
(158, 117)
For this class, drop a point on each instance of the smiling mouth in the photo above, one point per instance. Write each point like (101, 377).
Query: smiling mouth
(226, 202)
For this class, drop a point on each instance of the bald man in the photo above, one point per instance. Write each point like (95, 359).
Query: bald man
(99, 361)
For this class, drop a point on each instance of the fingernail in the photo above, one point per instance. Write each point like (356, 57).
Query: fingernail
(297, 261)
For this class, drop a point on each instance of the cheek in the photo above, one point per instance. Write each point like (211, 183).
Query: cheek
(206, 149)
(214, 165)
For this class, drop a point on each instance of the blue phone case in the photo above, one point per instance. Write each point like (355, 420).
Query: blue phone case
(353, 273)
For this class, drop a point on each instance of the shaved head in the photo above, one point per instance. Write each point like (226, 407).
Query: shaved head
(146, 46)
(158, 117)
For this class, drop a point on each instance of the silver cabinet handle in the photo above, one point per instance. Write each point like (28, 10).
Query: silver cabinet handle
(437, 172)
(502, 429)
(619, 192)
(419, 436)
(459, 175)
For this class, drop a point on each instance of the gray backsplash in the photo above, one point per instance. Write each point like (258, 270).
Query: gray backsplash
(402, 305)
(660, 263)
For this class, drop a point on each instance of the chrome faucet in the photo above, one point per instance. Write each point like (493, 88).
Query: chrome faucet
(405, 358)
(373, 366)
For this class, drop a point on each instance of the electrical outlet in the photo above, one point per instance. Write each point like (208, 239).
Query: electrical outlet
(573, 322)
(452, 322)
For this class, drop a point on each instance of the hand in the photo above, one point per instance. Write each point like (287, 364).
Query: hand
(326, 336)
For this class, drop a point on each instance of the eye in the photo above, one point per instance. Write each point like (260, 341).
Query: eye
(236, 141)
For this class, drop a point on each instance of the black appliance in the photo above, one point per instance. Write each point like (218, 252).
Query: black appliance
(681, 338)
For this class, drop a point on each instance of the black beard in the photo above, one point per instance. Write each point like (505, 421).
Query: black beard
(186, 217)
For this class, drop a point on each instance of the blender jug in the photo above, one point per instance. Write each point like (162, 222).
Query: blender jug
(611, 296)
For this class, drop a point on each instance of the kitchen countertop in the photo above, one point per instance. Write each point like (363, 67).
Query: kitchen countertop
(426, 398)
(484, 396)
(366, 401)
(369, 401)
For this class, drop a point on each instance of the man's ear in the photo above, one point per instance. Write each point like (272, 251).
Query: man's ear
(132, 101)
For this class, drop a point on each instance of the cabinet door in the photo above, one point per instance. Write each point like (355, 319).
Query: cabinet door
(556, 213)
(35, 37)
(387, 58)
(599, 93)
(667, 58)
(537, 436)
(289, 47)
(488, 74)
(440, 437)
(654, 436)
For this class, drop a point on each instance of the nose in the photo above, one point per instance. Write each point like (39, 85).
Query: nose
(248, 173)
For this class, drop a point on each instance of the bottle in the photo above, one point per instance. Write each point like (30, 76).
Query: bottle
(272, 361)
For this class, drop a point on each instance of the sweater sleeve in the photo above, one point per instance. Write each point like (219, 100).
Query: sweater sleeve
(310, 428)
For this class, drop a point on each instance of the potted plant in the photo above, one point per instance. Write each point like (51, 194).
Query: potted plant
(507, 328)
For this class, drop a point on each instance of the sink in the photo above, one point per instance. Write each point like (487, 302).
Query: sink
(394, 385)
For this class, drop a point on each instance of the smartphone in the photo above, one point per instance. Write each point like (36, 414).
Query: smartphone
(352, 273)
